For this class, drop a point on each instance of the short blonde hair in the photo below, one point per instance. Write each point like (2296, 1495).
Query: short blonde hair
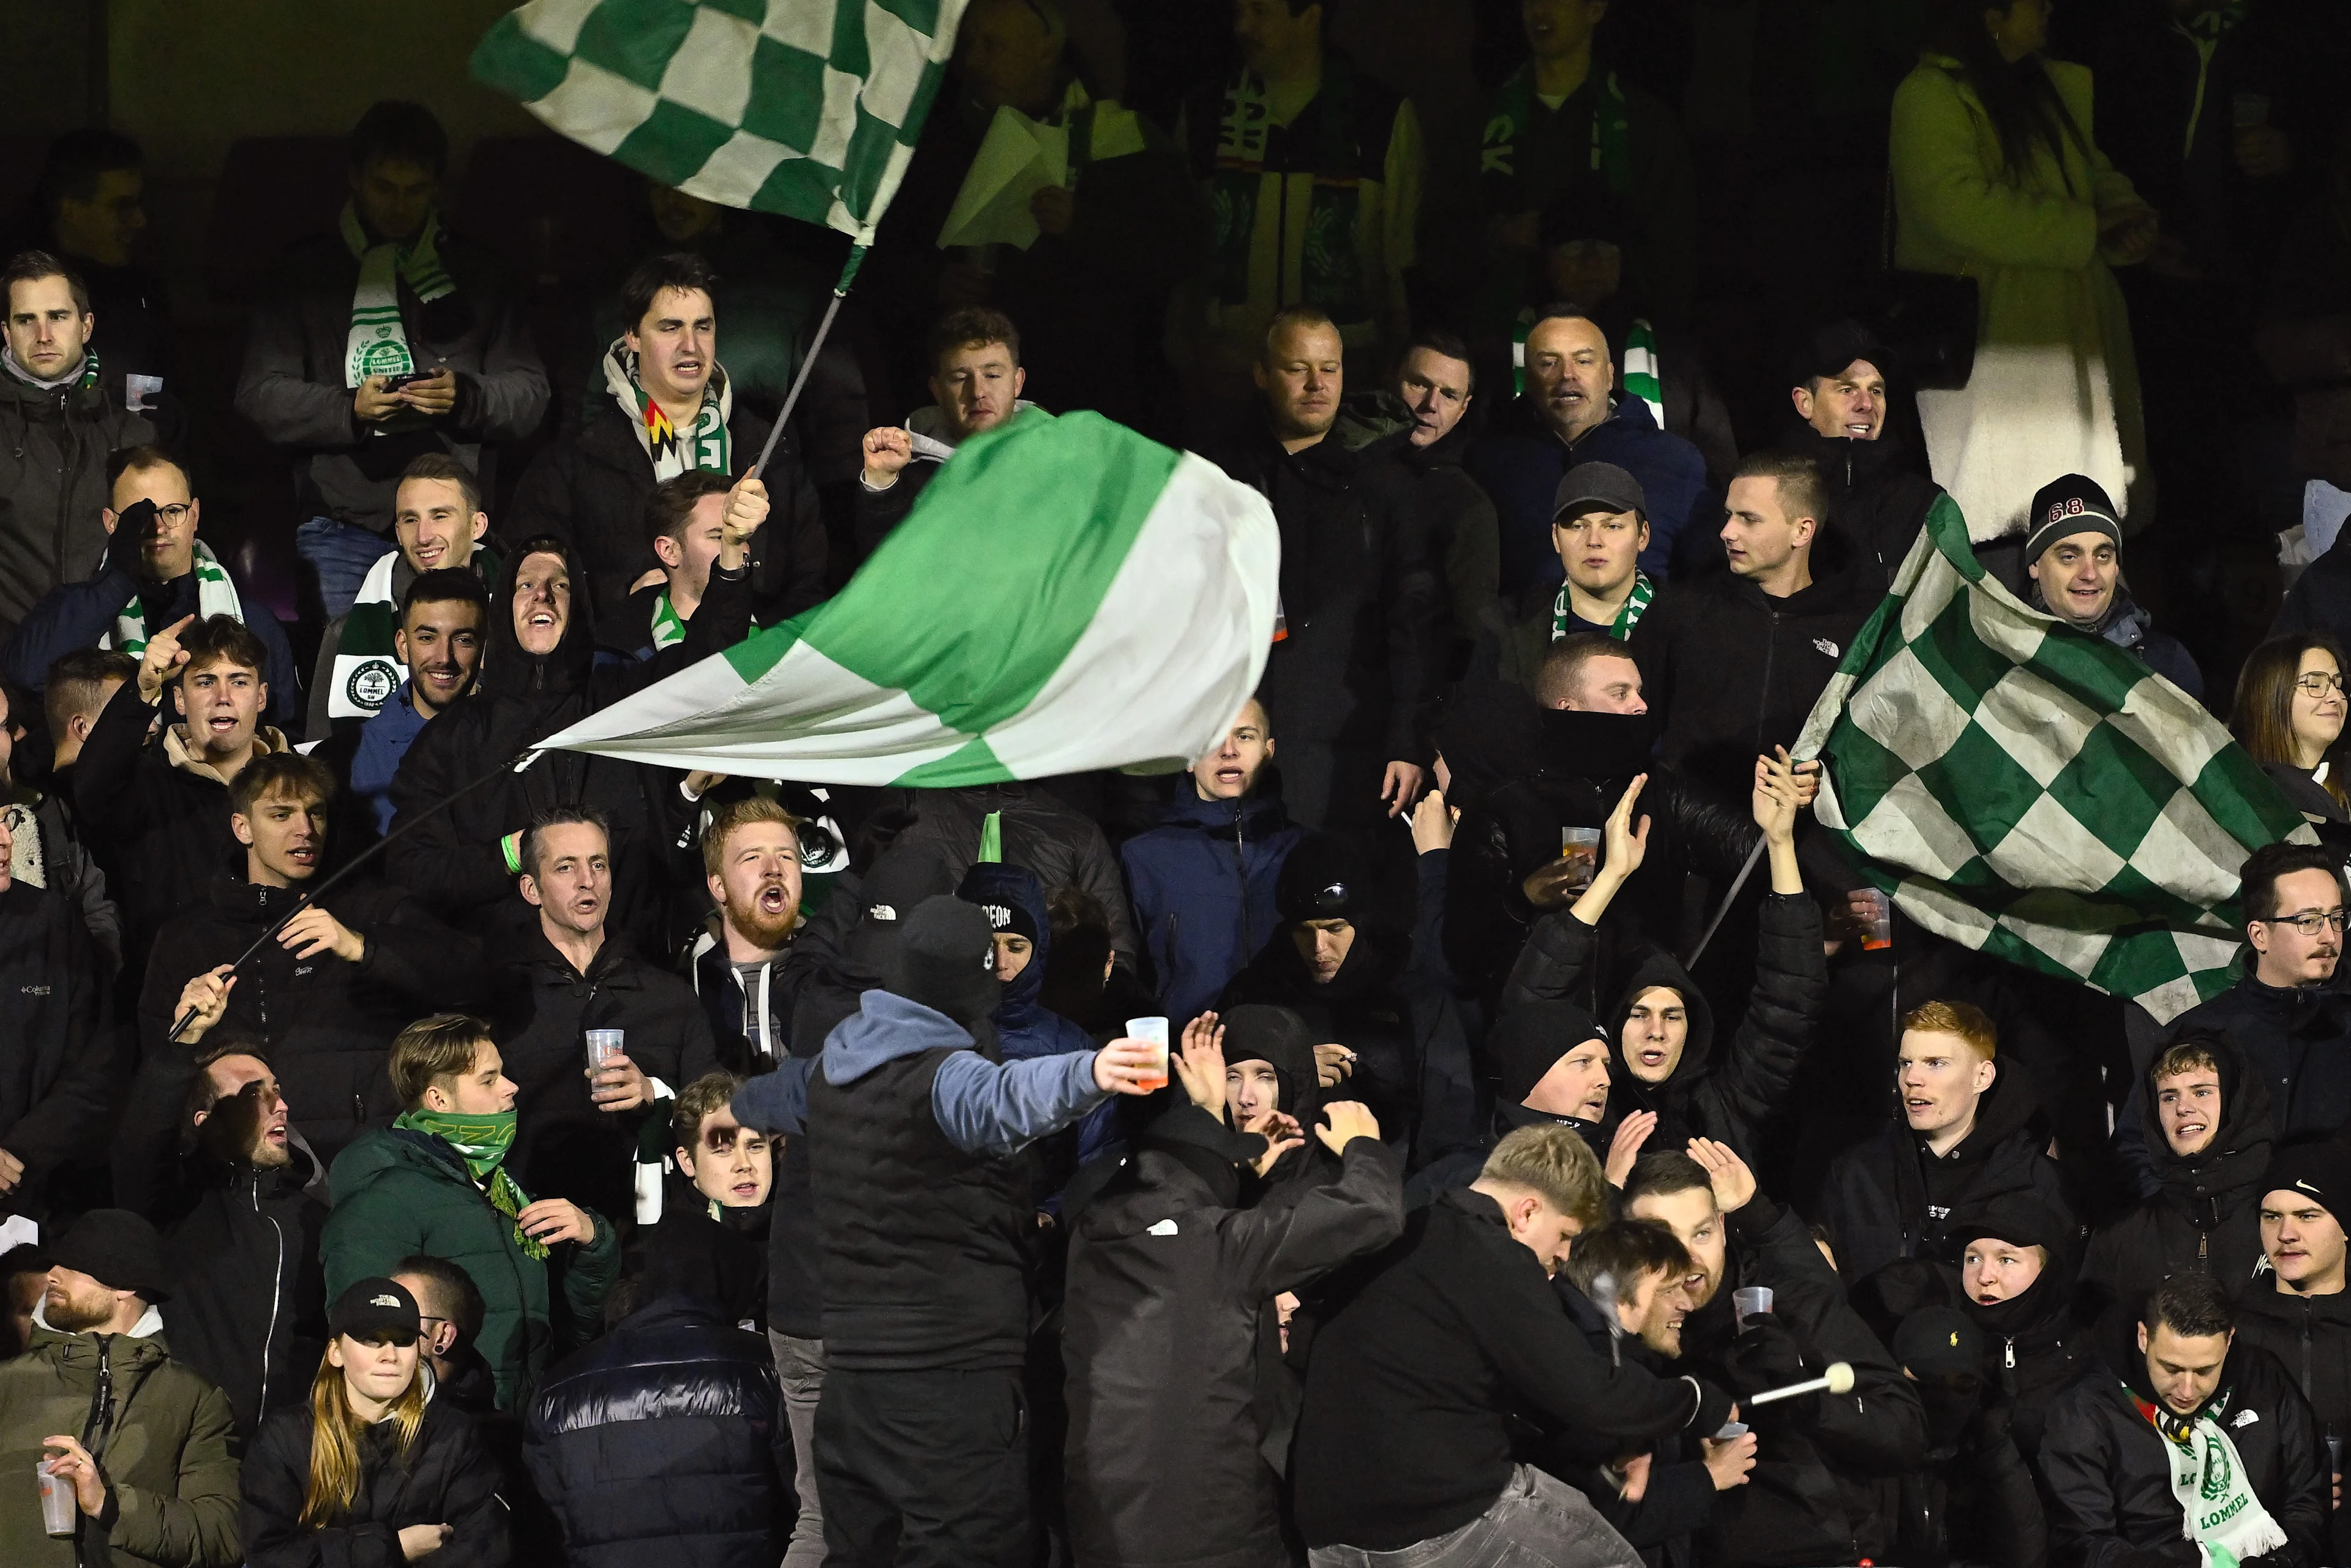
(1964, 1019)
(1557, 1165)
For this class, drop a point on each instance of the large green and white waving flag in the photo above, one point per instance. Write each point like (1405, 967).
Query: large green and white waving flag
(2035, 792)
(1065, 595)
(806, 108)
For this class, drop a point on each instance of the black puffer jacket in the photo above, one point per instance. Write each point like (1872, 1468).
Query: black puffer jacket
(454, 861)
(590, 490)
(1887, 1198)
(1725, 1095)
(1359, 594)
(1877, 500)
(53, 451)
(56, 1071)
(448, 1479)
(2208, 1215)
(567, 1147)
(664, 1442)
(1170, 1296)
(2106, 1471)
(1557, 771)
(1736, 671)
(327, 1024)
(1818, 1492)
(2296, 1038)
(2310, 1337)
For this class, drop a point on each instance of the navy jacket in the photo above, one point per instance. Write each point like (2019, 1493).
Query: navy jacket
(664, 1442)
(75, 615)
(1521, 461)
(1203, 882)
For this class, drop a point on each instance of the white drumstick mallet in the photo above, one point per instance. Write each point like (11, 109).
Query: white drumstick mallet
(1838, 1379)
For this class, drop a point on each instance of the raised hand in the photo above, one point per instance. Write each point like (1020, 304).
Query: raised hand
(1344, 1121)
(161, 661)
(1626, 1147)
(1733, 1183)
(888, 449)
(1199, 1063)
(206, 996)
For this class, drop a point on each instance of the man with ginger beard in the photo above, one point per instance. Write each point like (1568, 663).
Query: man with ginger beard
(207, 1153)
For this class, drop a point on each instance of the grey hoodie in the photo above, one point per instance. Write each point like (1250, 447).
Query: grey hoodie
(987, 1108)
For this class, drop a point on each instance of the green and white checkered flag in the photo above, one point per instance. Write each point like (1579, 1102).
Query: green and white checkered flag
(2034, 792)
(806, 108)
(1066, 595)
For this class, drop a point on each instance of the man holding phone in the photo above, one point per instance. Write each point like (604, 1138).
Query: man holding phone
(385, 340)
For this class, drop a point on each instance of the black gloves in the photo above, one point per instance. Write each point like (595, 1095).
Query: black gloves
(1766, 1356)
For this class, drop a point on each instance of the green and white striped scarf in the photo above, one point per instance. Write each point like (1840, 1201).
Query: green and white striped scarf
(378, 345)
(673, 451)
(368, 669)
(1638, 374)
(667, 627)
(215, 595)
(1627, 616)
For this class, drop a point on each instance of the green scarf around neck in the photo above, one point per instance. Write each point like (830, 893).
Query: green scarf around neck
(483, 1143)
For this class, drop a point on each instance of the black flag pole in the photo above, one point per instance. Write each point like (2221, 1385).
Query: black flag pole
(516, 764)
(808, 360)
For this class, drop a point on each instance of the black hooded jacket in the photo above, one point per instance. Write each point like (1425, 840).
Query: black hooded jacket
(2310, 1337)
(1736, 671)
(1819, 1490)
(1536, 772)
(1170, 1296)
(2297, 1038)
(1727, 1094)
(2106, 1471)
(1887, 1198)
(456, 860)
(2207, 1214)
(327, 1024)
(1878, 501)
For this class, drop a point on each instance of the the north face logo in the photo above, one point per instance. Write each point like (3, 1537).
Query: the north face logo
(1825, 646)
(383, 1300)
(882, 912)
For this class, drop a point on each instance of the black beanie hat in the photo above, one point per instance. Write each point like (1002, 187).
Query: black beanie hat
(2322, 1171)
(2064, 508)
(945, 959)
(1832, 348)
(1530, 1039)
(1260, 1031)
(118, 1249)
(1324, 878)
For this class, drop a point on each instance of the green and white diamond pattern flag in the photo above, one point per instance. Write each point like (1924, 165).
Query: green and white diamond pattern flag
(806, 108)
(1065, 595)
(2035, 792)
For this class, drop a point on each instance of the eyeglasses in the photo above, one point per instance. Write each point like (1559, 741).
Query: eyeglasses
(2310, 922)
(2318, 682)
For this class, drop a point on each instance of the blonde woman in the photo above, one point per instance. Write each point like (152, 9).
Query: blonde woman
(373, 1472)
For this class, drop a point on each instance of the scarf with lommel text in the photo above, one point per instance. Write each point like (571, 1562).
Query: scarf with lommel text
(378, 342)
(2217, 1508)
(482, 1142)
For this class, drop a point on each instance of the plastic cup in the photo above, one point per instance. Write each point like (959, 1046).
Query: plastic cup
(58, 1504)
(1880, 934)
(602, 1045)
(1580, 847)
(1152, 1032)
(1749, 1302)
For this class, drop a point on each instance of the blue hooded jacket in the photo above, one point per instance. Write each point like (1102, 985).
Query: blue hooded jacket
(1026, 1028)
(1521, 461)
(1203, 886)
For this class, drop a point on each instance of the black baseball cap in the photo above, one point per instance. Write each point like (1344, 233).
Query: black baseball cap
(1939, 1342)
(1597, 487)
(376, 1311)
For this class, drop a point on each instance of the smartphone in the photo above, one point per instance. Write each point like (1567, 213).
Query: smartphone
(393, 383)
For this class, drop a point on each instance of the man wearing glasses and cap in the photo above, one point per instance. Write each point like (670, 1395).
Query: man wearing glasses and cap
(2074, 554)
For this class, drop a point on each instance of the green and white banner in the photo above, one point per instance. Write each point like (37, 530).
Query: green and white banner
(2033, 791)
(1066, 595)
(806, 108)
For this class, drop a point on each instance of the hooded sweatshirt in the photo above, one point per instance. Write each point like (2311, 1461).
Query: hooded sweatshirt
(1726, 1095)
(1890, 1198)
(456, 860)
(2206, 1216)
(2035, 1346)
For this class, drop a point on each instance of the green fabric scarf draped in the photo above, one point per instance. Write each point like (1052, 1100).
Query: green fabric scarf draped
(1627, 616)
(1331, 264)
(377, 343)
(483, 1143)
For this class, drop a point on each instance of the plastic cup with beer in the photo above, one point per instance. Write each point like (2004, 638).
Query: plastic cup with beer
(1152, 1032)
